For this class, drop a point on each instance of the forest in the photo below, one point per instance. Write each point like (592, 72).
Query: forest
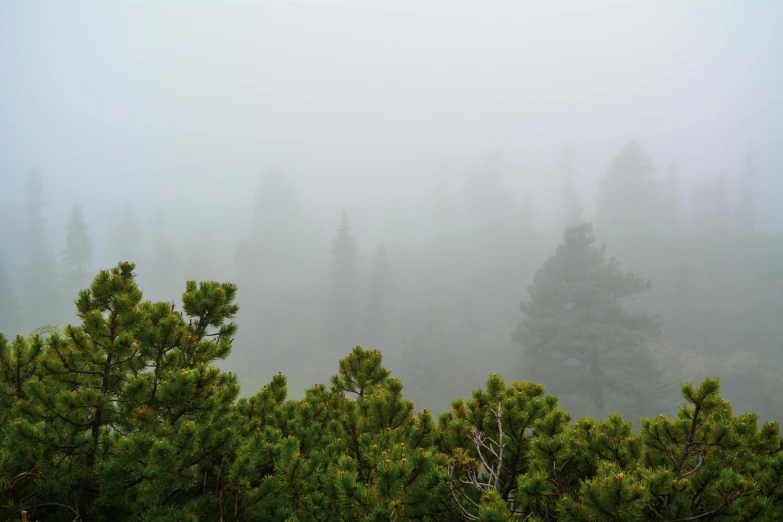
(131, 408)
(677, 288)
(313, 261)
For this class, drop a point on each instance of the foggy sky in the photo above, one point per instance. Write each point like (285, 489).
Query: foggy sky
(366, 105)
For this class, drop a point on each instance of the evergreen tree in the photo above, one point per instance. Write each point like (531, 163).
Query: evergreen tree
(77, 254)
(127, 417)
(489, 439)
(343, 309)
(576, 335)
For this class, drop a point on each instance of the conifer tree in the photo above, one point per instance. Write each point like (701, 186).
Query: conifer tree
(489, 439)
(129, 417)
(577, 338)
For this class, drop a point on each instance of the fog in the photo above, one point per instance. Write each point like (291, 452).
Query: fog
(233, 140)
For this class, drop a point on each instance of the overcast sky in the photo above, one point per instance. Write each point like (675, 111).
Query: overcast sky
(363, 103)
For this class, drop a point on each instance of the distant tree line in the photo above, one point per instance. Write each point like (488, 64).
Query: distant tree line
(707, 298)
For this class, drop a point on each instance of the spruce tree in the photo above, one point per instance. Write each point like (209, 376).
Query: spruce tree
(577, 337)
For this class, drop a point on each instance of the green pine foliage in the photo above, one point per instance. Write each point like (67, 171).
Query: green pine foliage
(126, 416)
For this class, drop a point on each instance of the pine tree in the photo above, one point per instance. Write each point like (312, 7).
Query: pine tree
(577, 338)
(77, 253)
(128, 417)
(489, 439)
(343, 309)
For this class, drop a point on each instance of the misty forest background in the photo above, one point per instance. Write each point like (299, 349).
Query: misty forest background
(439, 289)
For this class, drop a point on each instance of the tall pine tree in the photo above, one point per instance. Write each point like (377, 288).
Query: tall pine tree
(576, 335)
